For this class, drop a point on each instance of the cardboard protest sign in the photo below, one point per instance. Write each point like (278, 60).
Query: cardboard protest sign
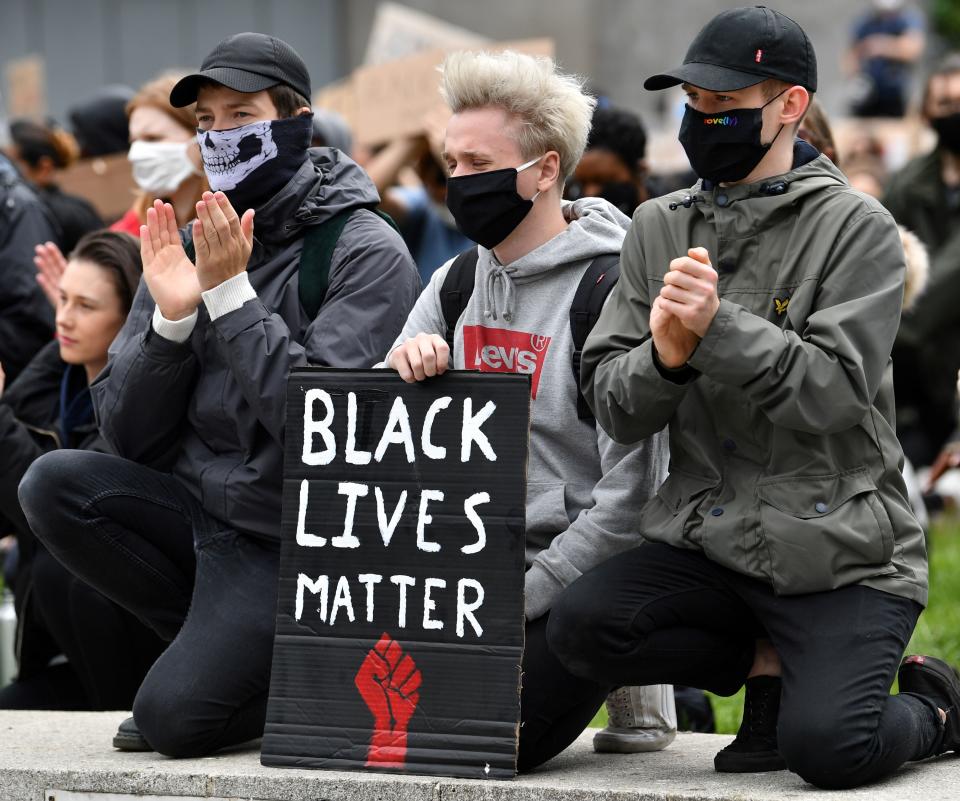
(399, 31)
(400, 615)
(106, 181)
(383, 102)
(26, 87)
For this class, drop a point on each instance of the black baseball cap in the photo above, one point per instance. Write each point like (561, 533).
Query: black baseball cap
(742, 47)
(246, 62)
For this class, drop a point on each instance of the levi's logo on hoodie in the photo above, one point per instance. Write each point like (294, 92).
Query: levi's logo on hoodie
(497, 350)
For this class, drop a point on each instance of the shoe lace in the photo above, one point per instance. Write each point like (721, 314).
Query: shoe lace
(620, 707)
(758, 714)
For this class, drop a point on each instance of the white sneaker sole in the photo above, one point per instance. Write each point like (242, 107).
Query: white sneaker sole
(631, 741)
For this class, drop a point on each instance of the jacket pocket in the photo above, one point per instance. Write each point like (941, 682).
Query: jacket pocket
(824, 532)
(666, 517)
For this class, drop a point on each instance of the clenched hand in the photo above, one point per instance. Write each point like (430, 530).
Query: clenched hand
(682, 312)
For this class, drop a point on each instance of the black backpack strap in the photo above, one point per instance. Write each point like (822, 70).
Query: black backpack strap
(456, 291)
(595, 284)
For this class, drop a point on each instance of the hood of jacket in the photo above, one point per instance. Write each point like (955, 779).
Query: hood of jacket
(596, 227)
(327, 183)
(762, 204)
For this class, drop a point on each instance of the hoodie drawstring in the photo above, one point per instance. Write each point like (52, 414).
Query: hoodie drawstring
(499, 279)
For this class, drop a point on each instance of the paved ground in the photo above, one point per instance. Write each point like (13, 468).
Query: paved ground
(49, 751)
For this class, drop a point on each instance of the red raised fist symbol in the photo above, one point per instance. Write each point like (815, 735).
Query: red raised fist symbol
(389, 683)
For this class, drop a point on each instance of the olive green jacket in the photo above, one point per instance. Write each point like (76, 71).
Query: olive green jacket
(784, 461)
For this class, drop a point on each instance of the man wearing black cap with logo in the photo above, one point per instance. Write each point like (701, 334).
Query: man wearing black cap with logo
(182, 527)
(755, 315)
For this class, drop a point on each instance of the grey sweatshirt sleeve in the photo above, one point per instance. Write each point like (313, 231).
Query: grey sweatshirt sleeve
(630, 397)
(373, 284)
(140, 399)
(426, 317)
(823, 378)
(631, 475)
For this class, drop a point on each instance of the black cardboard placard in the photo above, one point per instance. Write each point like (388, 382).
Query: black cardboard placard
(400, 614)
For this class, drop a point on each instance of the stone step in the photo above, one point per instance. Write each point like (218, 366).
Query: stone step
(67, 756)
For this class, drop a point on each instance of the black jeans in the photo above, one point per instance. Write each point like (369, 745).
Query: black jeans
(555, 705)
(108, 650)
(135, 534)
(665, 615)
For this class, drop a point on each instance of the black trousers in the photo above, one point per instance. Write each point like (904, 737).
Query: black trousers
(108, 650)
(555, 705)
(665, 615)
(133, 534)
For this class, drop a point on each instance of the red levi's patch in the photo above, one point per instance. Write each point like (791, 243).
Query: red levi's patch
(497, 350)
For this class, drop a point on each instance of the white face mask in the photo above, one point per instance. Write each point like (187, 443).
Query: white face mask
(160, 167)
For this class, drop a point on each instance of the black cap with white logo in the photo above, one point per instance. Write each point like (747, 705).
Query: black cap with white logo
(742, 47)
(246, 62)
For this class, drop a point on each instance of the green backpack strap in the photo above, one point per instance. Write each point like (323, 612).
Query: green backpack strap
(318, 245)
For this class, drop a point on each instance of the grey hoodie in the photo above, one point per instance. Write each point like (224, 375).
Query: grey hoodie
(213, 408)
(583, 489)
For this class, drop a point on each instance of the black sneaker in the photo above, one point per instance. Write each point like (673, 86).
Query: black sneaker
(935, 679)
(128, 737)
(755, 748)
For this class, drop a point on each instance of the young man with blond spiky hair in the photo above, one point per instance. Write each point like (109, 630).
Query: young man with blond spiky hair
(517, 132)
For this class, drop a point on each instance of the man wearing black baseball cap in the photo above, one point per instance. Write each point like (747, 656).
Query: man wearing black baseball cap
(187, 516)
(755, 317)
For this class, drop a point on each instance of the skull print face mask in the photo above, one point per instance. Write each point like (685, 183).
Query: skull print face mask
(253, 162)
(230, 156)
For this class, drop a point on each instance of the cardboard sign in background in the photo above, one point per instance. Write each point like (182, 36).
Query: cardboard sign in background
(382, 102)
(443, 677)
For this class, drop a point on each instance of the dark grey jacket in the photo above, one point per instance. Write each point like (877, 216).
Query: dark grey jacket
(784, 464)
(213, 409)
(26, 319)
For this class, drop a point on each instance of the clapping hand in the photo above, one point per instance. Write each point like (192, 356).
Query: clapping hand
(50, 265)
(170, 275)
(685, 308)
(223, 240)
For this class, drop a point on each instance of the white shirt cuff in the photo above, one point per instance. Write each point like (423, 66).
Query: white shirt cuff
(228, 296)
(174, 330)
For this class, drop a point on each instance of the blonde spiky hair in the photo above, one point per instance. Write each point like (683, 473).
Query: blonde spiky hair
(553, 109)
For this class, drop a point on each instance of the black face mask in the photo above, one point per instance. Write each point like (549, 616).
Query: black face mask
(948, 131)
(622, 194)
(487, 206)
(725, 146)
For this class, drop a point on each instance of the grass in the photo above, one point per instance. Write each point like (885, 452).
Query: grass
(937, 632)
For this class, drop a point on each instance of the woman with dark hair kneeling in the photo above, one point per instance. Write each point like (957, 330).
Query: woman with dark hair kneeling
(75, 648)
